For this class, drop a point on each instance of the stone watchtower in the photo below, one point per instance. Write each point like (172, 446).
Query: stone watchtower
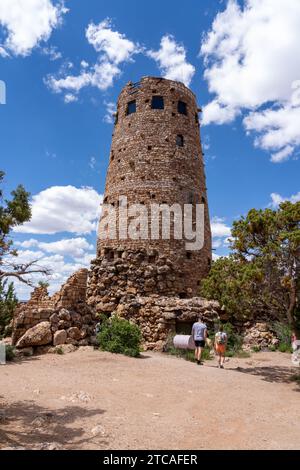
(156, 158)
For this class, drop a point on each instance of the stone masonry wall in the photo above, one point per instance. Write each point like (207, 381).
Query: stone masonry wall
(148, 166)
(65, 317)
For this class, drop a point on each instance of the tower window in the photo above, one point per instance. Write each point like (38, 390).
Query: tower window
(116, 118)
(179, 140)
(203, 200)
(188, 255)
(197, 118)
(157, 102)
(131, 107)
(182, 108)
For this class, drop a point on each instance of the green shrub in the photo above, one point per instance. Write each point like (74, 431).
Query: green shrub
(10, 353)
(284, 347)
(119, 336)
(59, 351)
(283, 332)
(256, 349)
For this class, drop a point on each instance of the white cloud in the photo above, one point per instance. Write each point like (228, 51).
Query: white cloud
(253, 64)
(64, 209)
(171, 60)
(26, 23)
(74, 247)
(69, 98)
(116, 47)
(219, 229)
(52, 52)
(92, 163)
(61, 270)
(110, 112)
(277, 199)
(113, 49)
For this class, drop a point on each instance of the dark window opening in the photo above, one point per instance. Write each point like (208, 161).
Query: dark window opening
(183, 328)
(198, 283)
(147, 101)
(175, 179)
(157, 102)
(197, 118)
(179, 140)
(122, 178)
(129, 125)
(153, 196)
(183, 295)
(131, 107)
(209, 261)
(116, 118)
(188, 255)
(203, 200)
(119, 161)
(149, 147)
(182, 108)
(112, 157)
(105, 200)
(154, 91)
(151, 259)
(173, 114)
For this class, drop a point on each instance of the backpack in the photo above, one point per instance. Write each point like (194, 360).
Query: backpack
(221, 338)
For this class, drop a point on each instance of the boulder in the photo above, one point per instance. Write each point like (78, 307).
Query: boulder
(60, 337)
(74, 333)
(39, 335)
(64, 314)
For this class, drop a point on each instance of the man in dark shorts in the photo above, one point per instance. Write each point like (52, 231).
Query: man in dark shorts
(199, 333)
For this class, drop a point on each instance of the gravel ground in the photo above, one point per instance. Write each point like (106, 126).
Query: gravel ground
(95, 400)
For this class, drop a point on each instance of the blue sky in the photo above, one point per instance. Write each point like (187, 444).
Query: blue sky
(54, 134)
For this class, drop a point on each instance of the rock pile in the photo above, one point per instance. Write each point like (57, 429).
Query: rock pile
(64, 318)
(259, 335)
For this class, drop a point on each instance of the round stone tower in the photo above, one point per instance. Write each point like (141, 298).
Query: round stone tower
(156, 159)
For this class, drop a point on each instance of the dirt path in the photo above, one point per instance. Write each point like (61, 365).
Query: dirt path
(94, 400)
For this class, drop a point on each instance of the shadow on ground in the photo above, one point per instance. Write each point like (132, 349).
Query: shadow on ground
(273, 374)
(30, 426)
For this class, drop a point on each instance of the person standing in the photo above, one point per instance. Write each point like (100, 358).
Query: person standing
(220, 346)
(199, 334)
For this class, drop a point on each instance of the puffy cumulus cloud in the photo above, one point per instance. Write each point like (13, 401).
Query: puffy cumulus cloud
(60, 268)
(277, 199)
(110, 112)
(64, 209)
(113, 49)
(252, 64)
(116, 47)
(26, 23)
(74, 247)
(171, 60)
(219, 229)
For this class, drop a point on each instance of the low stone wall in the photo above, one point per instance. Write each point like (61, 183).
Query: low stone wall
(159, 317)
(64, 318)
